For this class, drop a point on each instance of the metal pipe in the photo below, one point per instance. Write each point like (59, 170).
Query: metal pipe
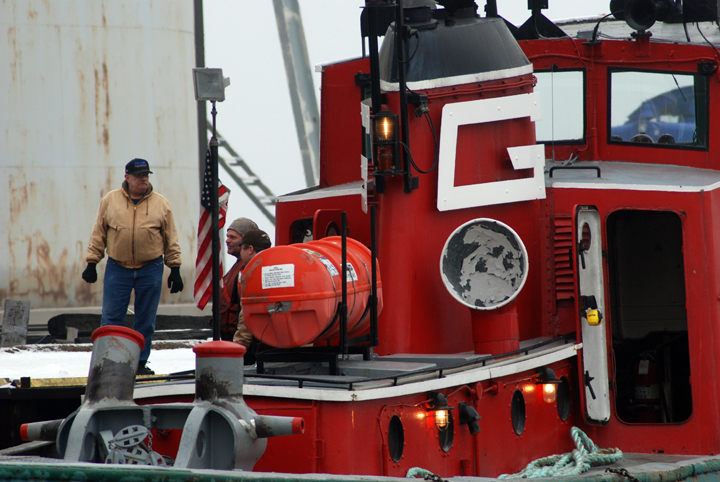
(201, 105)
(374, 56)
(215, 230)
(404, 131)
(343, 307)
(47, 430)
(374, 339)
(300, 84)
(269, 426)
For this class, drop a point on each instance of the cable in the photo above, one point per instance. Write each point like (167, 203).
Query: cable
(412, 33)
(412, 161)
(597, 26)
(431, 125)
(697, 24)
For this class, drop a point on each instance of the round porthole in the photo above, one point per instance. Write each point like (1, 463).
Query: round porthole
(396, 438)
(517, 412)
(563, 399)
(446, 436)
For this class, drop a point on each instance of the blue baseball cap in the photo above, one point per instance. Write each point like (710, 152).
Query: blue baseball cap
(137, 166)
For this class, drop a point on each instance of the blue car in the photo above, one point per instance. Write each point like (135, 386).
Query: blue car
(668, 118)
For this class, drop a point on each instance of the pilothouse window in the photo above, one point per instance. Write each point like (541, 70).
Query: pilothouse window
(667, 109)
(562, 103)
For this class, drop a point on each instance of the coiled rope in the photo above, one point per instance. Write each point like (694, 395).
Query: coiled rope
(425, 474)
(586, 455)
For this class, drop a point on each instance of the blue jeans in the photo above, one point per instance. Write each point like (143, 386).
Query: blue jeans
(119, 283)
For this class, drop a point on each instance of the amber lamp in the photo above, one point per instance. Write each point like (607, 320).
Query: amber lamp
(385, 142)
(439, 407)
(549, 382)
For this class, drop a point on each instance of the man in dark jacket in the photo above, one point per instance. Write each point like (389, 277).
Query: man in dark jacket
(229, 295)
(254, 242)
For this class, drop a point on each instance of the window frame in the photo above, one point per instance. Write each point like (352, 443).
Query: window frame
(565, 142)
(701, 89)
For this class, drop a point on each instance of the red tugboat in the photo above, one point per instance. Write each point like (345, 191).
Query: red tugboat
(525, 219)
(539, 210)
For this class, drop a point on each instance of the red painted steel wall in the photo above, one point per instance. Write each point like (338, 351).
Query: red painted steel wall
(697, 435)
(352, 437)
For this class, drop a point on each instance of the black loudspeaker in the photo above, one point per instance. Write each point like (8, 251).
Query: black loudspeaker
(642, 14)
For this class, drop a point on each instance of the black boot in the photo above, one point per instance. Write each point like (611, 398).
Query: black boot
(143, 369)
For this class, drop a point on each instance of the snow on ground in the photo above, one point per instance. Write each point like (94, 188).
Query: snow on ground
(69, 361)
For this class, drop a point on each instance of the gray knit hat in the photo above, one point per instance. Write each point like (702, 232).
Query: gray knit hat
(242, 226)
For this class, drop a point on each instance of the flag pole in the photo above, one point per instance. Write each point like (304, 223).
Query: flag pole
(215, 231)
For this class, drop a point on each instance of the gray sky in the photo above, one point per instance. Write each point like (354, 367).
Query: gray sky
(256, 118)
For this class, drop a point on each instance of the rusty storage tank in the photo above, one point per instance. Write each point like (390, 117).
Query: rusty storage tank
(86, 86)
(290, 294)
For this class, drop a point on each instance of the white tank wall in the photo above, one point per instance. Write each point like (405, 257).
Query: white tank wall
(85, 86)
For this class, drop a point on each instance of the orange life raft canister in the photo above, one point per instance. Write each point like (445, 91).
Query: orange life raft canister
(290, 294)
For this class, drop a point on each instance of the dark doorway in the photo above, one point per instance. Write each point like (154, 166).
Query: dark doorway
(649, 319)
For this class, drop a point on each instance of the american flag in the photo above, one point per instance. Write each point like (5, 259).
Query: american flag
(203, 263)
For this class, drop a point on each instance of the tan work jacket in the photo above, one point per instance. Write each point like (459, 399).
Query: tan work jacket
(134, 234)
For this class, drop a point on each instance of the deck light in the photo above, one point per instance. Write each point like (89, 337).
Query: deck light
(385, 143)
(549, 382)
(209, 84)
(439, 405)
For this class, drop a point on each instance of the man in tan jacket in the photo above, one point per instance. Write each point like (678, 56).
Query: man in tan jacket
(136, 226)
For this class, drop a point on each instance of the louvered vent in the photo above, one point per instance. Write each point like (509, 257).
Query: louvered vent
(564, 287)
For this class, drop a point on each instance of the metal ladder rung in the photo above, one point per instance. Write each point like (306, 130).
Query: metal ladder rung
(250, 180)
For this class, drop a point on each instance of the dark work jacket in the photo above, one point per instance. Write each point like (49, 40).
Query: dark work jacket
(230, 300)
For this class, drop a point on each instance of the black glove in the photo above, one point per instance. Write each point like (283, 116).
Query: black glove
(90, 273)
(174, 280)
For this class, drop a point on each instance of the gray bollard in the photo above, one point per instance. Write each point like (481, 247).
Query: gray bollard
(269, 426)
(115, 357)
(218, 370)
(108, 403)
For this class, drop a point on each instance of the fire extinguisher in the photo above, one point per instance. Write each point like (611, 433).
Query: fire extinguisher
(647, 390)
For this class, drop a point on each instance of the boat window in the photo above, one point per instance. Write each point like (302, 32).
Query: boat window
(517, 412)
(396, 438)
(562, 103)
(649, 321)
(660, 109)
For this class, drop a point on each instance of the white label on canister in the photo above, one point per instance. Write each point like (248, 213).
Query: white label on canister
(330, 267)
(351, 274)
(278, 276)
